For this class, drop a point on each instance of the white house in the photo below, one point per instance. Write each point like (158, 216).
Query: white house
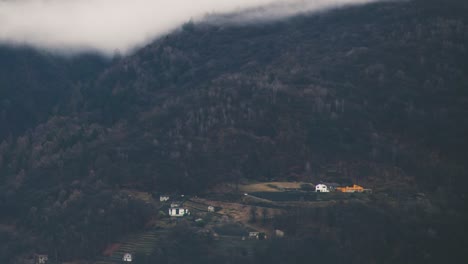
(178, 212)
(322, 188)
(127, 257)
(164, 198)
(211, 209)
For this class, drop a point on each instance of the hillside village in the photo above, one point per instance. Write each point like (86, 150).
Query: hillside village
(333, 138)
(234, 220)
(239, 219)
(250, 212)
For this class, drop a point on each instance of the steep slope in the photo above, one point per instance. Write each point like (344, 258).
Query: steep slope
(376, 94)
(360, 90)
(34, 85)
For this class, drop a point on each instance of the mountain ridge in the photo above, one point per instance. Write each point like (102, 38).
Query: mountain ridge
(373, 94)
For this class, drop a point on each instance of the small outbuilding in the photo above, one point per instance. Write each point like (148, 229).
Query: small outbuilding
(279, 233)
(176, 204)
(211, 209)
(41, 259)
(253, 234)
(257, 235)
(127, 257)
(164, 198)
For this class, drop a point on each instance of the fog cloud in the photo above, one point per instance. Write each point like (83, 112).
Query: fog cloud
(108, 25)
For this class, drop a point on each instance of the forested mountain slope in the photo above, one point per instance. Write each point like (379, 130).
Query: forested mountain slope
(34, 85)
(376, 94)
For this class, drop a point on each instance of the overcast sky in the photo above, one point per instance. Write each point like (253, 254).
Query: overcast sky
(108, 25)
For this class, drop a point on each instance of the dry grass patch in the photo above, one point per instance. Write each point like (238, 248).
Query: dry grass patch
(270, 186)
(144, 196)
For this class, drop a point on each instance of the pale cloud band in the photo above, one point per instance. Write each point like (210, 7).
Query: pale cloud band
(107, 25)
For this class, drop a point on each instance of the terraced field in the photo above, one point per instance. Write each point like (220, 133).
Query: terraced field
(194, 205)
(139, 244)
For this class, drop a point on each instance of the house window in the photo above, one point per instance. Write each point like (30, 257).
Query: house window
(177, 211)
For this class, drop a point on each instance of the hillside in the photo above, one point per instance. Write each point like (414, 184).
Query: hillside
(374, 94)
(34, 85)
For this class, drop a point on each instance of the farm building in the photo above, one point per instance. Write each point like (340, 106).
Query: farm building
(127, 257)
(164, 198)
(178, 212)
(211, 209)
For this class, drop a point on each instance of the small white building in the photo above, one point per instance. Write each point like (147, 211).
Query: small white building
(254, 235)
(164, 198)
(257, 235)
(178, 212)
(322, 188)
(41, 259)
(127, 257)
(211, 209)
(279, 233)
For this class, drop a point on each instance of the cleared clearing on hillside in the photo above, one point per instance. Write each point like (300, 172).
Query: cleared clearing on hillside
(271, 186)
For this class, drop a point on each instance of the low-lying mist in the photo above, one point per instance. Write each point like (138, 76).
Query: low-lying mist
(105, 26)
